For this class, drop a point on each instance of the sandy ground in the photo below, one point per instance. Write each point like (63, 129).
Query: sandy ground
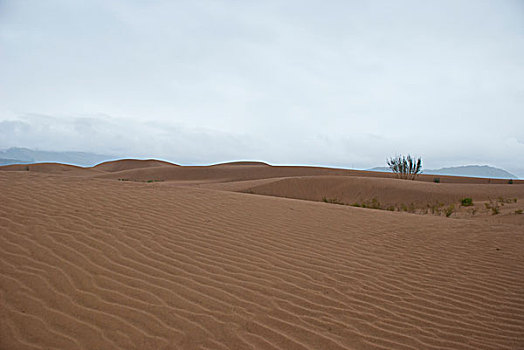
(149, 255)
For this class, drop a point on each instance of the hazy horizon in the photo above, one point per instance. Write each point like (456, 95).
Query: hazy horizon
(337, 83)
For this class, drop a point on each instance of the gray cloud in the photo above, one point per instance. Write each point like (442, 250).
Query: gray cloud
(336, 83)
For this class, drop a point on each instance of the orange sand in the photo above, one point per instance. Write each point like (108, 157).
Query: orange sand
(190, 262)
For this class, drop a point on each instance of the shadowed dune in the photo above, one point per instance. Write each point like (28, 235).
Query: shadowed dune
(95, 263)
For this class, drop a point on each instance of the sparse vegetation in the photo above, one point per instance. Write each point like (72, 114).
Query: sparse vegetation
(437, 208)
(510, 181)
(449, 210)
(332, 201)
(373, 204)
(150, 181)
(493, 206)
(123, 179)
(405, 167)
(466, 202)
(436, 180)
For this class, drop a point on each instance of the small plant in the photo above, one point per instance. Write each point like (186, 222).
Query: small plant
(493, 206)
(510, 181)
(123, 179)
(374, 204)
(332, 201)
(436, 180)
(466, 202)
(405, 167)
(449, 210)
(518, 211)
(355, 205)
(26, 168)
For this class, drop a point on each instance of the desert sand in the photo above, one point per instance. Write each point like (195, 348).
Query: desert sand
(150, 255)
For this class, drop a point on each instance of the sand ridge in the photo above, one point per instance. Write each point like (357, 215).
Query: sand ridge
(90, 262)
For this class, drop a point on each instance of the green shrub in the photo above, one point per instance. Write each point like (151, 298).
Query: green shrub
(518, 211)
(436, 180)
(405, 167)
(510, 181)
(466, 202)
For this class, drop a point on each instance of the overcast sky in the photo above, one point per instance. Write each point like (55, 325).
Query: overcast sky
(340, 83)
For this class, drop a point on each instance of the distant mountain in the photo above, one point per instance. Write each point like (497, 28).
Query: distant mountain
(4, 161)
(474, 170)
(467, 170)
(24, 155)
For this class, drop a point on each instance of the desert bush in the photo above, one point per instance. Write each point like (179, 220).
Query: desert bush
(466, 202)
(405, 167)
(510, 181)
(372, 204)
(449, 210)
(518, 211)
(436, 180)
(493, 206)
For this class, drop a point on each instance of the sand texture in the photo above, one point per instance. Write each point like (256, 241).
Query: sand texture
(151, 255)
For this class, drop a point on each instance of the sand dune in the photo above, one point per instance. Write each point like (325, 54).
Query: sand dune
(50, 168)
(241, 163)
(143, 170)
(95, 263)
(349, 190)
(128, 164)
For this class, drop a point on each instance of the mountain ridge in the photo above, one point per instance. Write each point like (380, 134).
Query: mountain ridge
(463, 170)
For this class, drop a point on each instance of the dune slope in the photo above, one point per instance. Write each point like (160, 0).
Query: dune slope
(95, 263)
(351, 189)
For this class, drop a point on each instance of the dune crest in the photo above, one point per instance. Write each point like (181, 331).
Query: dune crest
(128, 164)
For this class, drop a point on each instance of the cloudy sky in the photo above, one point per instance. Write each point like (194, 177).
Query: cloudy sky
(340, 83)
